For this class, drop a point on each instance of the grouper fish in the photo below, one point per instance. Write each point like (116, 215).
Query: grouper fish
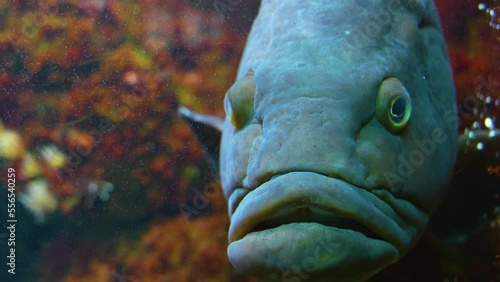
(339, 138)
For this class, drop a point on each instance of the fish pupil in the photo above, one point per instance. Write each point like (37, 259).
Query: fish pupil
(398, 108)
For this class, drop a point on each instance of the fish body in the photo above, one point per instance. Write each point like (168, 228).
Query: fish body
(339, 138)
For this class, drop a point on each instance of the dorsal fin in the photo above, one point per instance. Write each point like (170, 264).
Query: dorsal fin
(208, 130)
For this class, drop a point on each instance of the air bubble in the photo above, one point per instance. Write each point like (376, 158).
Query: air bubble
(472, 135)
(480, 146)
(492, 12)
(488, 122)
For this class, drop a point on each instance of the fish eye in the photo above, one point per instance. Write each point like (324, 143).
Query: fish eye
(239, 101)
(393, 105)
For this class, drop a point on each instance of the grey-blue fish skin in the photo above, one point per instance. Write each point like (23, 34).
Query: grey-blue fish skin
(320, 186)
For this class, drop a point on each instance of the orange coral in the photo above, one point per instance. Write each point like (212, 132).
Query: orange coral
(172, 249)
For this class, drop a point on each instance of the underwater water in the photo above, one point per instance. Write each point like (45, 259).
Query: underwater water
(102, 180)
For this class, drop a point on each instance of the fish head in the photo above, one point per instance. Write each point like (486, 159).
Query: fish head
(339, 138)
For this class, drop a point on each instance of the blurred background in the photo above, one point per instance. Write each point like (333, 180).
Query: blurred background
(111, 184)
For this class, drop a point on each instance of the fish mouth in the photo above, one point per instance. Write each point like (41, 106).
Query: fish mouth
(310, 214)
(307, 216)
(309, 197)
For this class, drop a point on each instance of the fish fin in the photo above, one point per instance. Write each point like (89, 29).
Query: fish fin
(208, 131)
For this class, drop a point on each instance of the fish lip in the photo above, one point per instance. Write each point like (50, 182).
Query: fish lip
(313, 214)
(260, 204)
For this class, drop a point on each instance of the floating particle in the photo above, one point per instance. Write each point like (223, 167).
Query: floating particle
(92, 187)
